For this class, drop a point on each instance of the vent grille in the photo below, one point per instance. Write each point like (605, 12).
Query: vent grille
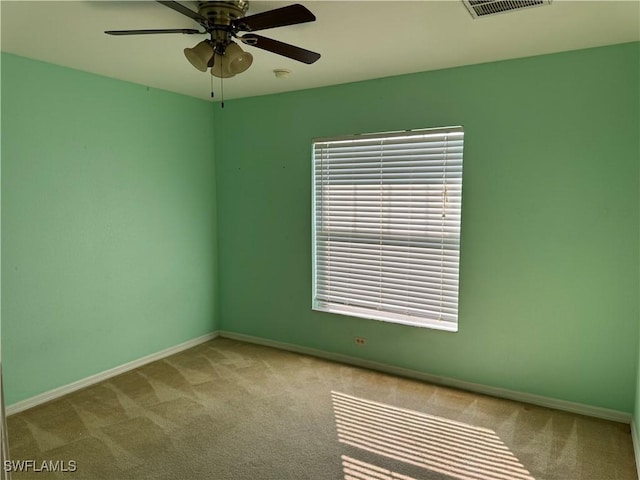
(483, 8)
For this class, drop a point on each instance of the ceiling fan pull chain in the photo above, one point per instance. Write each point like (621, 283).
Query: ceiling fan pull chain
(211, 86)
(221, 92)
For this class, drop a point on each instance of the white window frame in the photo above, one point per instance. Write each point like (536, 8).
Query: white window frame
(386, 226)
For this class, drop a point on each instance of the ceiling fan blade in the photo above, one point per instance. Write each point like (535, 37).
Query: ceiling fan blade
(185, 11)
(284, 49)
(148, 32)
(280, 17)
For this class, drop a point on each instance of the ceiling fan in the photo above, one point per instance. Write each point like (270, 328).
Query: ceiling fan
(222, 20)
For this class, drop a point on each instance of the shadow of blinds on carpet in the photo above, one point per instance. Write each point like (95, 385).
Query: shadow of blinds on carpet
(358, 470)
(456, 449)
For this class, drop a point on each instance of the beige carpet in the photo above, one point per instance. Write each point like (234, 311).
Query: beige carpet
(227, 410)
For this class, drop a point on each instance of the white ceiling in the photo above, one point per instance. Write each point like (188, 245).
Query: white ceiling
(358, 40)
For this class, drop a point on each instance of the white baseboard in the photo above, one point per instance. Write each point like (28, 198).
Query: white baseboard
(598, 412)
(636, 445)
(99, 377)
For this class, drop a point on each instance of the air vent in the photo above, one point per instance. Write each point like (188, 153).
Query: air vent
(484, 8)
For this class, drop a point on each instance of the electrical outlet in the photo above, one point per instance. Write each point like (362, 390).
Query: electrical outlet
(361, 341)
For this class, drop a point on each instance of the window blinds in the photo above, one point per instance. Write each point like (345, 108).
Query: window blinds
(387, 226)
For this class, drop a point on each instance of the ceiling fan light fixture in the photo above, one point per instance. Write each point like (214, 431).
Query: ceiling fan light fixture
(220, 67)
(200, 55)
(222, 20)
(238, 59)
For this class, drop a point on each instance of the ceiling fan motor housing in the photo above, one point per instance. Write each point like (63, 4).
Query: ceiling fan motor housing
(223, 13)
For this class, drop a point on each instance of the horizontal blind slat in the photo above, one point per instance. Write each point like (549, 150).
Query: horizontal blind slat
(433, 241)
(415, 254)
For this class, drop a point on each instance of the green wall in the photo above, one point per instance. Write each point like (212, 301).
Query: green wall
(108, 223)
(549, 263)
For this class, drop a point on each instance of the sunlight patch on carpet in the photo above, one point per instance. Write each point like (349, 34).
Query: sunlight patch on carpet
(358, 470)
(457, 449)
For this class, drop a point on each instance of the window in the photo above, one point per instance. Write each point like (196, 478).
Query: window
(386, 233)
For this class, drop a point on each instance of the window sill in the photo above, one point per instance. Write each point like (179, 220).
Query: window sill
(387, 317)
